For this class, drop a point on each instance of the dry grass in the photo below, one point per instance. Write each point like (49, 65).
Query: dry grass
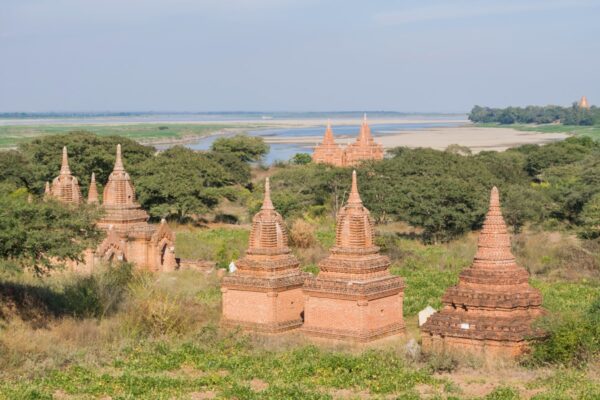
(302, 234)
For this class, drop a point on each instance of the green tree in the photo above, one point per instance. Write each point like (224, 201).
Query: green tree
(301, 158)
(522, 203)
(180, 183)
(39, 234)
(247, 148)
(15, 169)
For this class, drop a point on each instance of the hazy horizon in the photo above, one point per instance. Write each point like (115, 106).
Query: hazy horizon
(295, 55)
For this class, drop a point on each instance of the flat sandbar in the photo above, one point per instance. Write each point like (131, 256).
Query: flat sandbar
(474, 137)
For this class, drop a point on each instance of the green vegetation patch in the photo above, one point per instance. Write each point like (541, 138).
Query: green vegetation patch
(221, 245)
(12, 135)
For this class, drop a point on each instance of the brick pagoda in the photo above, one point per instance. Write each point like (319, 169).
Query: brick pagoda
(329, 152)
(129, 235)
(364, 148)
(354, 297)
(265, 293)
(492, 308)
(65, 187)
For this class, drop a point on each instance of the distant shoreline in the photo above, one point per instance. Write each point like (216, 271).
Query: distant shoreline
(477, 138)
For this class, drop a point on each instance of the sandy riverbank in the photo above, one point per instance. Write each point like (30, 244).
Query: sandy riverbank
(476, 138)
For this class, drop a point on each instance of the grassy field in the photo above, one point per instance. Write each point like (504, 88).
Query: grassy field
(140, 336)
(590, 131)
(10, 136)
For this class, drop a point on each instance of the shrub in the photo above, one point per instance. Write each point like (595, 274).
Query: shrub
(573, 338)
(302, 234)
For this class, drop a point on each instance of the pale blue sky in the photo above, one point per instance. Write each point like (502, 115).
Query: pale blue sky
(296, 55)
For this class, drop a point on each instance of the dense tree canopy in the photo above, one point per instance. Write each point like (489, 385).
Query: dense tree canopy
(573, 115)
(247, 148)
(41, 234)
(180, 183)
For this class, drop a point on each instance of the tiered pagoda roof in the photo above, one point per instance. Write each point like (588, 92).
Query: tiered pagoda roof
(493, 301)
(355, 258)
(364, 148)
(328, 151)
(122, 210)
(269, 262)
(65, 187)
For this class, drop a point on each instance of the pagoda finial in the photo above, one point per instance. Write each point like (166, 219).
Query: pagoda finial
(93, 191)
(267, 203)
(354, 197)
(118, 161)
(365, 118)
(495, 198)
(64, 167)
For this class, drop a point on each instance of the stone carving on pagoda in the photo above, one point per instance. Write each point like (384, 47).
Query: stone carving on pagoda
(65, 187)
(364, 148)
(491, 310)
(354, 297)
(129, 235)
(583, 103)
(265, 292)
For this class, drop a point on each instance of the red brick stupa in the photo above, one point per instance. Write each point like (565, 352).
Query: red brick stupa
(265, 293)
(329, 152)
(492, 308)
(65, 187)
(354, 297)
(129, 235)
(364, 148)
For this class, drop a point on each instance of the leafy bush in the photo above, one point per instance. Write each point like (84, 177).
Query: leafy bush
(573, 338)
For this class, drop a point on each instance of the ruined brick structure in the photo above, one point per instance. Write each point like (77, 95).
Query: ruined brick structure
(354, 297)
(265, 293)
(129, 235)
(364, 148)
(492, 308)
(65, 187)
(583, 103)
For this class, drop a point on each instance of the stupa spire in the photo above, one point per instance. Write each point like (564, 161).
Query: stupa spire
(47, 191)
(64, 167)
(583, 103)
(93, 191)
(354, 197)
(267, 203)
(328, 138)
(118, 160)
